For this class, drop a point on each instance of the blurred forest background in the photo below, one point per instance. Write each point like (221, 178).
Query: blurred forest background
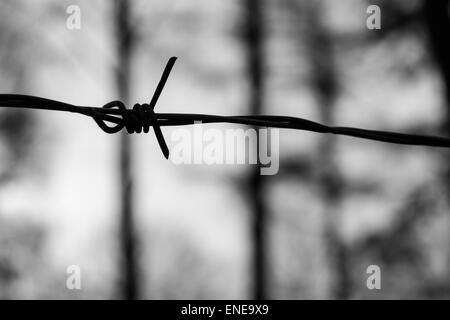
(141, 227)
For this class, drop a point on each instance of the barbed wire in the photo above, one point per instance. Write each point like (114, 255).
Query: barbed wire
(142, 116)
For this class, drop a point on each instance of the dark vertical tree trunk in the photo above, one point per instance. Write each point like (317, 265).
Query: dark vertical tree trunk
(128, 260)
(438, 21)
(253, 17)
(325, 83)
(437, 18)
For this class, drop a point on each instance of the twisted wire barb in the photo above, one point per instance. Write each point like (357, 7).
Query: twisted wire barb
(142, 116)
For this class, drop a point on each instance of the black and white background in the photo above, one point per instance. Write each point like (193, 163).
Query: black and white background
(87, 215)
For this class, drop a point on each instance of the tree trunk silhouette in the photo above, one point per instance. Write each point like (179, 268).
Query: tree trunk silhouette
(438, 21)
(325, 84)
(128, 260)
(253, 16)
(437, 18)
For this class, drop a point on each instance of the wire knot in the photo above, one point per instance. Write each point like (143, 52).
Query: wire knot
(138, 119)
(141, 118)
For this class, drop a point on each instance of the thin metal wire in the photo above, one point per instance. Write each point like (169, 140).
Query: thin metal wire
(142, 116)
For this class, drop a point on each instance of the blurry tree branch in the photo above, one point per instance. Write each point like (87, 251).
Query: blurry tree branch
(254, 35)
(124, 36)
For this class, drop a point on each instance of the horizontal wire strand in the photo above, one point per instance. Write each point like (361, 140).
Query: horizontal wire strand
(141, 117)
